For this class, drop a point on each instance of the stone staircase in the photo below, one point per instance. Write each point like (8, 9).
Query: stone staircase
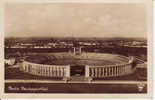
(79, 79)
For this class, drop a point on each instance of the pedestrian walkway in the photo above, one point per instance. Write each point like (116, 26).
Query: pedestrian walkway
(76, 81)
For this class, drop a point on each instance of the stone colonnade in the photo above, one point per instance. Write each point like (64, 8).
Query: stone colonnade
(108, 71)
(46, 70)
(90, 71)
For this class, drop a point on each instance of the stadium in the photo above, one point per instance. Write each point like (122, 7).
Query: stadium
(78, 64)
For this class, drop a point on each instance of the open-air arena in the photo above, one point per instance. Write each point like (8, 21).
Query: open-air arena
(65, 70)
(87, 65)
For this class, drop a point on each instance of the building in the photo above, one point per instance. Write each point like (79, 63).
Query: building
(87, 65)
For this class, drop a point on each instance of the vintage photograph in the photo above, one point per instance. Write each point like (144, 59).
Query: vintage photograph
(76, 48)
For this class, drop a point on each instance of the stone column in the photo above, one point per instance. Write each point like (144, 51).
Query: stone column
(103, 72)
(96, 74)
(48, 71)
(109, 71)
(22, 67)
(80, 50)
(51, 71)
(92, 72)
(124, 69)
(31, 66)
(58, 71)
(54, 71)
(68, 71)
(86, 71)
(99, 71)
(112, 71)
(120, 70)
(129, 68)
(74, 51)
(34, 69)
(42, 68)
(42, 71)
(61, 72)
(117, 71)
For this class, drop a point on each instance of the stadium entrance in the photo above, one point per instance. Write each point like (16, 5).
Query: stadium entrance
(77, 70)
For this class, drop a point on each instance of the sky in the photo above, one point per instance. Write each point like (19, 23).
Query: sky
(75, 20)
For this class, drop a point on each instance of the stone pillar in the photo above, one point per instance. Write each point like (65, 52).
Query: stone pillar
(31, 66)
(103, 72)
(80, 50)
(68, 71)
(120, 70)
(117, 73)
(34, 70)
(109, 71)
(99, 71)
(115, 70)
(92, 72)
(112, 71)
(74, 51)
(48, 71)
(61, 72)
(51, 71)
(54, 71)
(124, 69)
(96, 73)
(86, 71)
(42, 70)
(58, 71)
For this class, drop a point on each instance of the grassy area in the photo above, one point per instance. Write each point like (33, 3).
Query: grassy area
(84, 59)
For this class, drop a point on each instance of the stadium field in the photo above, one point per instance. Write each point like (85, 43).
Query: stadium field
(83, 59)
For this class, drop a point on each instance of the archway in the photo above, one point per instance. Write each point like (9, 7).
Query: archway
(77, 70)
